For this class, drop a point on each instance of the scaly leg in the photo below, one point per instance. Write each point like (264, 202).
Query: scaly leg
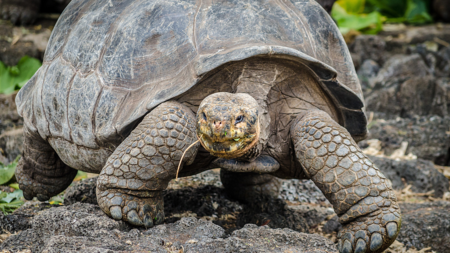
(40, 173)
(361, 195)
(130, 185)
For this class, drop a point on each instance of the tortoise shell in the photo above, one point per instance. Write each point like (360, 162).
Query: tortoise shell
(109, 62)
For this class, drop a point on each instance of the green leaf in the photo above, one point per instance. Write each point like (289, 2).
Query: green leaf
(80, 176)
(7, 172)
(10, 201)
(389, 8)
(352, 6)
(410, 11)
(367, 23)
(16, 195)
(14, 186)
(28, 66)
(12, 78)
(8, 208)
(14, 71)
(368, 16)
(417, 12)
(57, 200)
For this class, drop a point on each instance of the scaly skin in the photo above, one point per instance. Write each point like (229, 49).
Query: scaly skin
(228, 124)
(361, 195)
(40, 172)
(229, 127)
(130, 185)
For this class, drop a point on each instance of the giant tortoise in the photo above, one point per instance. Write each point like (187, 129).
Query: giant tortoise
(266, 87)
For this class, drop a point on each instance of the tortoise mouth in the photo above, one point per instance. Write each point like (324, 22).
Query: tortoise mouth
(228, 148)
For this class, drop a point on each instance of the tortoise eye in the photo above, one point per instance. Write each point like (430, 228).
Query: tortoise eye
(204, 116)
(239, 119)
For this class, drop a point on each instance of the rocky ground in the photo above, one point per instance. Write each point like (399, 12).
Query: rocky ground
(405, 75)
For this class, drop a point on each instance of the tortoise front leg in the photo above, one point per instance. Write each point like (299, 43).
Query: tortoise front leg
(130, 185)
(361, 195)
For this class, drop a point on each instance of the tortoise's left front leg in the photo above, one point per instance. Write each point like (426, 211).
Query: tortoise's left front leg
(361, 195)
(130, 186)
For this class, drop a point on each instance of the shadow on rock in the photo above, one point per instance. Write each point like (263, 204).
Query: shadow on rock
(83, 227)
(212, 203)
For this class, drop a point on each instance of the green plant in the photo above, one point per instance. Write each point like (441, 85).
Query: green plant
(57, 200)
(349, 16)
(10, 201)
(368, 16)
(14, 77)
(80, 176)
(7, 172)
(402, 11)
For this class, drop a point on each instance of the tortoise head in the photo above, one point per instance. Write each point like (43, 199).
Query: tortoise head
(228, 124)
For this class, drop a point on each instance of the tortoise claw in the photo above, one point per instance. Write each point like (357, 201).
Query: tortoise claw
(134, 219)
(347, 247)
(360, 246)
(116, 212)
(358, 237)
(138, 211)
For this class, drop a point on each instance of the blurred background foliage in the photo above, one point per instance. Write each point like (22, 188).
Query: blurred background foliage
(368, 16)
(12, 78)
(11, 197)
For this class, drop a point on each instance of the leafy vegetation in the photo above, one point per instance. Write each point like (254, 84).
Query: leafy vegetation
(80, 176)
(399, 11)
(14, 77)
(10, 201)
(368, 16)
(7, 172)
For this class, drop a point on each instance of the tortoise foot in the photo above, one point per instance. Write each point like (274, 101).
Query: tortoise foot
(361, 195)
(371, 233)
(20, 11)
(40, 172)
(35, 183)
(138, 211)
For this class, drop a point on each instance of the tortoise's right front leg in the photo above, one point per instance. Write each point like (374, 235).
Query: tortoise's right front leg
(361, 195)
(130, 185)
